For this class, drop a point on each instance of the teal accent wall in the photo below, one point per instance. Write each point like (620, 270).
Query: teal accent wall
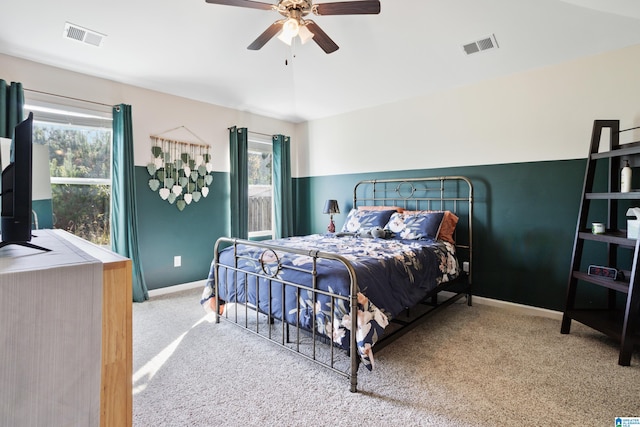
(44, 210)
(524, 226)
(164, 232)
(524, 223)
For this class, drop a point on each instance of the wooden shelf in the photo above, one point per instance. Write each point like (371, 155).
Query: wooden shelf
(616, 285)
(621, 325)
(632, 195)
(609, 322)
(616, 237)
(629, 149)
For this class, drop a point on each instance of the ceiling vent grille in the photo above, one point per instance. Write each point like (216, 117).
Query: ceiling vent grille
(84, 35)
(486, 43)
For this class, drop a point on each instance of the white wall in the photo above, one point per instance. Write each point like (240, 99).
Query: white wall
(153, 112)
(544, 114)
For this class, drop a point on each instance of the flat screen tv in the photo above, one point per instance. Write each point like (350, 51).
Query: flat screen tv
(15, 214)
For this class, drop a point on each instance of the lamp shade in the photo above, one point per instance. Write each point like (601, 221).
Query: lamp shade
(331, 207)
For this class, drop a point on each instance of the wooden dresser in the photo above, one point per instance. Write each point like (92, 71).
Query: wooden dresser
(65, 335)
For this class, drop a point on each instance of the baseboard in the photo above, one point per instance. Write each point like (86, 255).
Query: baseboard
(177, 288)
(519, 308)
(514, 307)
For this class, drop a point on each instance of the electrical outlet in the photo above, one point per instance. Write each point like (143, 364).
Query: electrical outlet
(177, 261)
(465, 266)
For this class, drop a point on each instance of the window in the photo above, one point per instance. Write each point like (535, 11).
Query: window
(79, 141)
(259, 159)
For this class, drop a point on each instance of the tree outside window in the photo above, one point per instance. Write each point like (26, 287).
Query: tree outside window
(80, 169)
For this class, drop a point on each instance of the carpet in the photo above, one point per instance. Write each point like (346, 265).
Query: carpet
(465, 366)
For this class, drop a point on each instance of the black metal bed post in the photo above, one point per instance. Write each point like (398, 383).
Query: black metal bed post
(470, 241)
(216, 279)
(353, 347)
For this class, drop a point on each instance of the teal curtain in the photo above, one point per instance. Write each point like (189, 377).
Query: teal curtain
(239, 181)
(124, 217)
(11, 105)
(282, 187)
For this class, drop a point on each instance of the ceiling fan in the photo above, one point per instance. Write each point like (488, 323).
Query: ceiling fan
(295, 23)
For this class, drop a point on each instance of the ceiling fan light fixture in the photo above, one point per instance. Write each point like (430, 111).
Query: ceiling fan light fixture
(285, 39)
(290, 28)
(305, 34)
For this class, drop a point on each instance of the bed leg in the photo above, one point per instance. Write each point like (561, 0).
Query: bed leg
(354, 375)
(469, 300)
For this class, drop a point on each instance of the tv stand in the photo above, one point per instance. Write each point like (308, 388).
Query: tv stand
(65, 335)
(26, 244)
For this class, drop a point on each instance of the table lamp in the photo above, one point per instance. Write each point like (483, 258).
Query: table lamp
(331, 207)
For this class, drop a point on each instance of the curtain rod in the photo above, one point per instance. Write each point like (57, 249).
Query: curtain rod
(68, 97)
(260, 133)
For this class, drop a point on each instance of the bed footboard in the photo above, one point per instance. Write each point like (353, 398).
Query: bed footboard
(257, 316)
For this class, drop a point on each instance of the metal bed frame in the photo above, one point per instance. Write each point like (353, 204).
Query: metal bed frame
(453, 193)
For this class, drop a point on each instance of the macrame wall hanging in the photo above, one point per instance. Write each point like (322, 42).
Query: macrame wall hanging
(181, 172)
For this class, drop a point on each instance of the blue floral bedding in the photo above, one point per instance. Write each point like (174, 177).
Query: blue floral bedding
(392, 275)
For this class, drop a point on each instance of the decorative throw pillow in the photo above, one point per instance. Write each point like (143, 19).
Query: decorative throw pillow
(415, 226)
(448, 226)
(380, 208)
(357, 220)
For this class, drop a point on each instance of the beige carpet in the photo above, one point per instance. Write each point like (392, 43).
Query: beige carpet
(466, 366)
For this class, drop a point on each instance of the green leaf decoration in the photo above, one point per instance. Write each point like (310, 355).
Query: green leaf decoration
(183, 181)
(169, 182)
(194, 175)
(191, 187)
(192, 164)
(202, 170)
(185, 157)
(196, 196)
(200, 182)
(178, 164)
(172, 198)
(208, 179)
(160, 174)
(180, 204)
(154, 184)
(156, 151)
(151, 168)
(169, 168)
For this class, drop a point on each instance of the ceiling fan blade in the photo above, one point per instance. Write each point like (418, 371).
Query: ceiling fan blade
(348, 8)
(321, 38)
(266, 36)
(243, 3)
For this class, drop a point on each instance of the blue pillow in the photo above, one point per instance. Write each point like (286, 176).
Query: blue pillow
(415, 226)
(357, 220)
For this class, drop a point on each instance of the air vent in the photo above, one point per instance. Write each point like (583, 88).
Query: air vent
(481, 45)
(84, 35)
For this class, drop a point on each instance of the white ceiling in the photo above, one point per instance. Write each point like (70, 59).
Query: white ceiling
(412, 48)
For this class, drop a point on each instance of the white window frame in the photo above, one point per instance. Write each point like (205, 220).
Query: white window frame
(79, 114)
(256, 144)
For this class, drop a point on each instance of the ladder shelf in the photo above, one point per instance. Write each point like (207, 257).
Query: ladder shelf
(620, 323)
